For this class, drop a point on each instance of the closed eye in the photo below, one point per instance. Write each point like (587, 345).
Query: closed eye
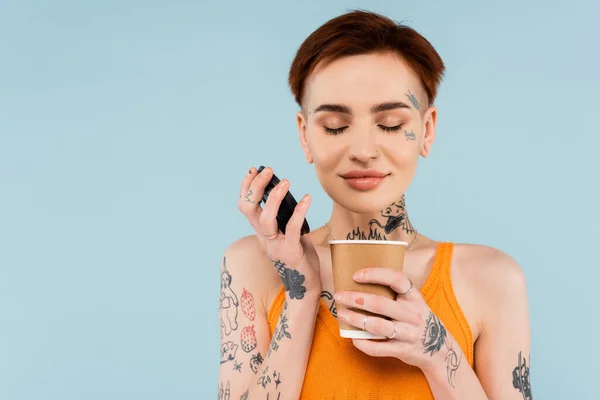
(391, 128)
(335, 131)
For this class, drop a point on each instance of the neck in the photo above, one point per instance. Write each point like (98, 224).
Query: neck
(391, 223)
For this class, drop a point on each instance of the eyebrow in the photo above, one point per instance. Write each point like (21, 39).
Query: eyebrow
(340, 108)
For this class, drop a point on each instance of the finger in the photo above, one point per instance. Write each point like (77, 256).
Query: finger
(391, 277)
(374, 324)
(247, 181)
(253, 190)
(268, 220)
(376, 348)
(294, 226)
(373, 303)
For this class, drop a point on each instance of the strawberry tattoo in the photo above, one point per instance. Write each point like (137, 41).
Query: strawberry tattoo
(248, 339)
(247, 303)
(255, 362)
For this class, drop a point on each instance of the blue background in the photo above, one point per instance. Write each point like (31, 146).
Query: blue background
(127, 126)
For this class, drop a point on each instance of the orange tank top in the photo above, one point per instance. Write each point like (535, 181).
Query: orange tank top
(337, 370)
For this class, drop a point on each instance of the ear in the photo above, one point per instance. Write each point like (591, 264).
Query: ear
(301, 120)
(429, 124)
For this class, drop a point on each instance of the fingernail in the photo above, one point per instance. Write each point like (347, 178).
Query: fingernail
(358, 276)
(338, 297)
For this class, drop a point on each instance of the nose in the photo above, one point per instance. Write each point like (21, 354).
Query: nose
(363, 147)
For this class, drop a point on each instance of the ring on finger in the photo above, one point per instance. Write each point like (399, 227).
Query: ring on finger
(364, 323)
(273, 236)
(395, 331)
(248, 199)
(409, 289)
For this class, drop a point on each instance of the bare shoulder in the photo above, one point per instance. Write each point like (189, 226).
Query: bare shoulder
(245, 261)
(490, 269)
(492, 277)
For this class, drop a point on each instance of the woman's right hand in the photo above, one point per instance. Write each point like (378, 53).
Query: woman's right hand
(292, 254)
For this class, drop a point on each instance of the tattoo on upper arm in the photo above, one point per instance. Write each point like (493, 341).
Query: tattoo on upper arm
(521, 377)
(244, 396)
(248, 339)
(292, 280)
(224, 393)
(228, 303)
(228, 351)
(434, 338)
(247, 302)
(237, 366)
(255, 362)
(412, 98)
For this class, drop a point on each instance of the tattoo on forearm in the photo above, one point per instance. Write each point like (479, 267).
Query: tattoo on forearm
(281, 331)
(267, 380)
(409, 135)
(521, 378)
(412, 98)
(434, 338)
(228, 303)
(244, 396)
(329, 296)
(224, 393)
(292, 280)
(435, 334)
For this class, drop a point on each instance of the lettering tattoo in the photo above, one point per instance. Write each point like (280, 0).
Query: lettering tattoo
(410, 135)
(244, 396)
(413, 99)
(228, 303)
(292, 280)
(329, 296)
(224, 393)
(434, 338)
(281, 331)
(521, 378)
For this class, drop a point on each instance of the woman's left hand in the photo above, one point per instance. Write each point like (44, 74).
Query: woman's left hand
(416, 334)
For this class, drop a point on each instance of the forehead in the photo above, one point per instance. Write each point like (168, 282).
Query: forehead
(361, 80)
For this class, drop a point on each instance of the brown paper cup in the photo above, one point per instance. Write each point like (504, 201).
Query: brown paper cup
(350, 256)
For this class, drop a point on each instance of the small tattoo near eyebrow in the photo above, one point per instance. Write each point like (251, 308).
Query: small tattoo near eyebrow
(413, 99)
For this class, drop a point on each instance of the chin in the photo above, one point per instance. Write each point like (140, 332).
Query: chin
(371, 202)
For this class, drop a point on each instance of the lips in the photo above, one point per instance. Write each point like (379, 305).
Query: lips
(364, 180)
(367, 173)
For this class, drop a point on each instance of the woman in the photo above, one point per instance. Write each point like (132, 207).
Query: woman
(459, 328)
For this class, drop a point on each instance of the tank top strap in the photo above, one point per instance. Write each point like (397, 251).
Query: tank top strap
(439, 270)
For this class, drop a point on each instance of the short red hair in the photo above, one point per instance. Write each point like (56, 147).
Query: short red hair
(363, 32)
